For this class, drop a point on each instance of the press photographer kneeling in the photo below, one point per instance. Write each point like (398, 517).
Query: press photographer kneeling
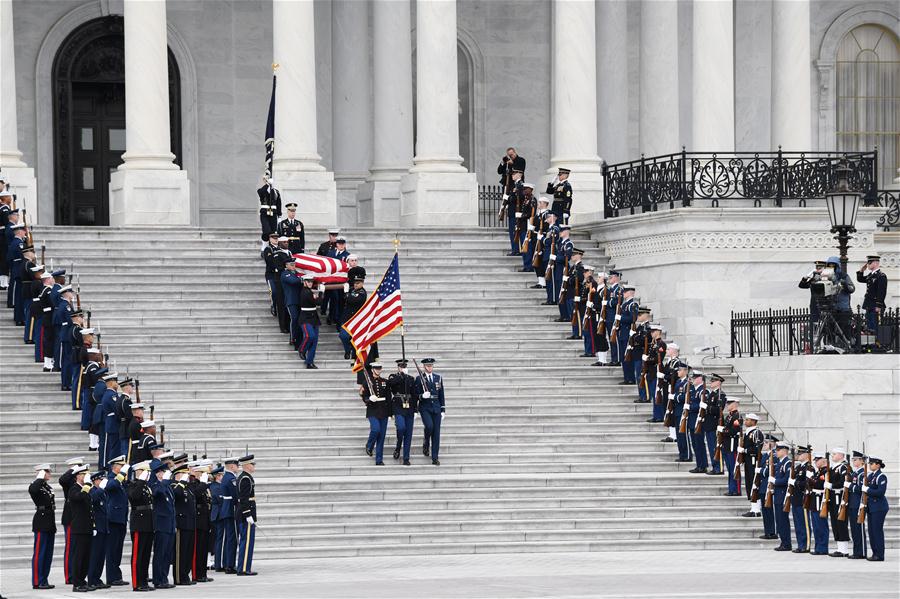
(829, 305)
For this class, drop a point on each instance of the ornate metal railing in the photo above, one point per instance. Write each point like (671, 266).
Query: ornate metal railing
(490, 198)
(889, 198)
(791, 331)
(767, 178)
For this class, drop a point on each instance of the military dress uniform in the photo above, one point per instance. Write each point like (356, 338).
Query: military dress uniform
(293, 229)
(405, 405)
(228, 518)
(271, 274)
(43, 525)
(99, 544)
(81, 528)
(613, 297)
(291, 284)
(141, 499)
(513, 205)
(780, 484)
(681, 396)
(309, 326)
(246, 519)
(626, 318)
(430, 388)
(840, 483)
(656, 378)
(639, 333)
(559, 260)
(203, 499)
(67, 481)
(574, 291)
(562, 197)
(117, 502)
(185, 527)
(877, 509)
(753, 442)
(269, 209)
(731, 423)
(505, 169)
(28, 284)
(550, 241)
(803, 472)
(353, 301)
(16, 267)
(857, 530)
(215, 494)
(377, 399)
(715, 405)
(876, 290)
(768, 513)
(697, 396)
(164, 539)
(530, 216)
(815, 485)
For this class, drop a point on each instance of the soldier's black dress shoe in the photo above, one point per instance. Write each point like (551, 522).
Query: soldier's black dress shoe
(369, 453)
(232, 570)
(205, 579)
(768, 537)
(165, 585)
(142, 589)
(875, 559)
(81, 589)
(614, 364)
(379, 463)
(536, 286)
(246, 573)
(406, 463)
(303, 355)
(798, 550)
(523, 269)
(748, 515)
(561, 320)
(856, 556)
(626, 383)
(696, 471)
(425, 451)
(312, 366)
(818, 553)
(667, 440)
(547, 303)
(397, 454)
(347, 355)
(837, 554)
(513, 254)
(783, 548)
(715, 473)
(43, 587)
(587, 355)
(436, 462)
(572, 338)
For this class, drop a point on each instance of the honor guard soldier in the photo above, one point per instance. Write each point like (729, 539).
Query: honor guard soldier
(681, 392)
(376, 396)
(185, 526)
(135, 432)
(816, 485)
(5, 208)
(527, 227)
(768, 513)
(327, 247)
(246, 516)
(586, 288)
(269, 207)
(67, 481)
(626, 315)
(877, 508)
(613, 297)
(199, 484)
(715, 404)
(857, 479)
(228, 514)
(141, 499)
(309, 321)
(160, 483)
(353, 301)
(215, 493)
(780, 484)
(876, 289)
(43, 525)
(281, 259)
(538, 242)
(143, 451)
(697, 395)
(840, 483)
(573, 287)
(108, 420)
(29, 294)
(292, 284)
(655, 373)
(803, 472)
(99, 544)
(61, 321)
(334, 298)
(268, 253)
(752, 446)
(512, 203)
(548, 253)
(124, 413)
(26, 292)
(562, 195)
(430, 388)
(405, 406)
(510, 163)
(81, 529)
(667, 394)
(732, 422)
(640, 331)
(16, 261)
(117, 501)
(559, 262)
(293, 229)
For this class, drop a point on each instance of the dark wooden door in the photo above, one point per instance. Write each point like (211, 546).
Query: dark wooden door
(98, 141)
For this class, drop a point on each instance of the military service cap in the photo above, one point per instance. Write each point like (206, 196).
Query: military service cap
(564, 171)
(98, 475)
(428, 360)
(247, 459)
(874, 460)
(47, 467)
(291, 206)
(858, 455)
(716, 377)
(752, 416)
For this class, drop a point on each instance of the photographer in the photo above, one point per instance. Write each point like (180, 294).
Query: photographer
(806, 283)
(845, 288)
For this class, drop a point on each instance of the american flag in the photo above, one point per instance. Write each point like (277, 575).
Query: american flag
(326, 270)
(381, 314)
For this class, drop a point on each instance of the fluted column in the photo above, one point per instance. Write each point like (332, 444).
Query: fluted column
(612, 80)
(352, 103)
(659, 131)
(148, 187)
(438, 190)
(574, 105)
(713, 68)
(791, 72)
(298, 172)
(20, 178)
(392, 147)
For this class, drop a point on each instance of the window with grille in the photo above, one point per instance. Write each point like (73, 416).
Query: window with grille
(868, 96)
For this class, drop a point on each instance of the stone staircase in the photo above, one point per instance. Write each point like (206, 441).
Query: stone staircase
(540, 452)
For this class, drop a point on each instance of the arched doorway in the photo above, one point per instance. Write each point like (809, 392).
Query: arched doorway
(89, 119)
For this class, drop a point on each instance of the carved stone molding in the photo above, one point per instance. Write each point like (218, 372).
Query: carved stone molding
(661, 244)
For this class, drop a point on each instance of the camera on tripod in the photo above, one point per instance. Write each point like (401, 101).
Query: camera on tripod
(826, 288)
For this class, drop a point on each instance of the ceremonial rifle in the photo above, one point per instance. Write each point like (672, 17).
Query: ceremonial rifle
(736, 474)
(78, 294)
(601, 325)
(864, 500)
(754, 492)
(720, 438)
(575, 321)
(29, 240)
(670, 404)
(502, 214)
(565, 283)
(43, 253)
(643, 381)
(588, 309)
(660, 356)
(529, 230)
(791, 483)
(548, 273)
(539, 247)
(517, 235)
(770, 488)
(682, 425)
(826, 496)
(845, 495)
(701, 415)
(614, 334)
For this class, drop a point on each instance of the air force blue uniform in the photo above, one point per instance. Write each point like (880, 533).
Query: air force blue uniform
(782, 521)
(432, 409)
(878, 509)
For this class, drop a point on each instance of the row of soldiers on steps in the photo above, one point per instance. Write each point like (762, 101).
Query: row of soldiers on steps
(707, 426)
(179, 511)
(128, 451)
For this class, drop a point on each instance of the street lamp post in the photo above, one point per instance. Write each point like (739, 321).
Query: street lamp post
(843, 205)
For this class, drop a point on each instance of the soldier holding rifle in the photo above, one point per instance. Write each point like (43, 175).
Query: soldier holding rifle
(780, 478)
(840, 484)
(510, 162)
(819, 488)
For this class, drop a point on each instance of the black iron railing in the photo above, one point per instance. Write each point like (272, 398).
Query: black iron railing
(490, 199)
(791, 331)
(890, 199)
(766, 178)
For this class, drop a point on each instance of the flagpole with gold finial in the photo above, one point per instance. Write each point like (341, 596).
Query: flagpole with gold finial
(402, 326)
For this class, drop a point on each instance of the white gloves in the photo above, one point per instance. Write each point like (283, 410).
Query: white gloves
(865, 489)
(660, 375)
(250, 520)
(618, 317)
(505, 196)
(103, 483)
(720, 429)
(94, 533)
(671, 396)
(321, 287)
(442, 416)
(772, 479)
(120, 477)
(40, 475)
(552, 257)
(846, 484)
(346, 287)
(828, 486)
(565, 277)
(590, 304)
(577, 298)
(703, 405)
(426, 395)
(791, 481)
(167, 475)
(644, 357)
(204, 478)
(530, 227)
(124, 469)
(742, 450)
(518, 215)
(145, 475)
(540, 236)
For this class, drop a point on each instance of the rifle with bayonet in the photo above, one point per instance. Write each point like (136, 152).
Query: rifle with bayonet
(644, 356)
(701, 414)
(660, 373)
(551, 261)
(529, 227)
(29, 240)
(682, 425)
(826, 495)
(517, 235)
(792, 481)
(502, 214)
(575, 321)
(78, 293)
(770, 488)
(43, 253)
(754, 491)
(845, 494)
(670, 404)
(720, 436)
(539, 247)
(614, 334)
(604, 297)
(589, 309)
(565, 283)
(864, 499)
(736, 474)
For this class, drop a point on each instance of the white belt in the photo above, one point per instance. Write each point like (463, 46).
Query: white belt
(111, 414)
(135, 442)
(263, 206)
(308, 309)
(47, 309)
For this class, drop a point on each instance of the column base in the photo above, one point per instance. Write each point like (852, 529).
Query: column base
(24, 185)
(314, 192)
(378, 204)
(439, 200)
(587, 196)
(347, 187)
(149, 197)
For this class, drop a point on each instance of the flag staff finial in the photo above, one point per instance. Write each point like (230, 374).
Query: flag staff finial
(275, 65)
(396, 242)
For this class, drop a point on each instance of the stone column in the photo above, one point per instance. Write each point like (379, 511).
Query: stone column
(438, 190)
(659, 131)
(713, 85)
(791, 72)
(148, 188)
(19, 176)
(612, 80)
(352, 103)
(574, 107)
(379, 198)
(298, 173)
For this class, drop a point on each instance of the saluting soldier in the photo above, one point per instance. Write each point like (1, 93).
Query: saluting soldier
(857, 481)
(731, 428)
(292, 228)
(269, 207)
(199, 484)
(562, 195)
(246, 516)
(430, 388)
(816, 486)
(876, 289)
(160, 483)
(753, 442)
(780, 484)
(81, 529)
(840, 484)
(117, 501)
(405, 406)
(43, 525)
(141, 499)
(877, 508)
